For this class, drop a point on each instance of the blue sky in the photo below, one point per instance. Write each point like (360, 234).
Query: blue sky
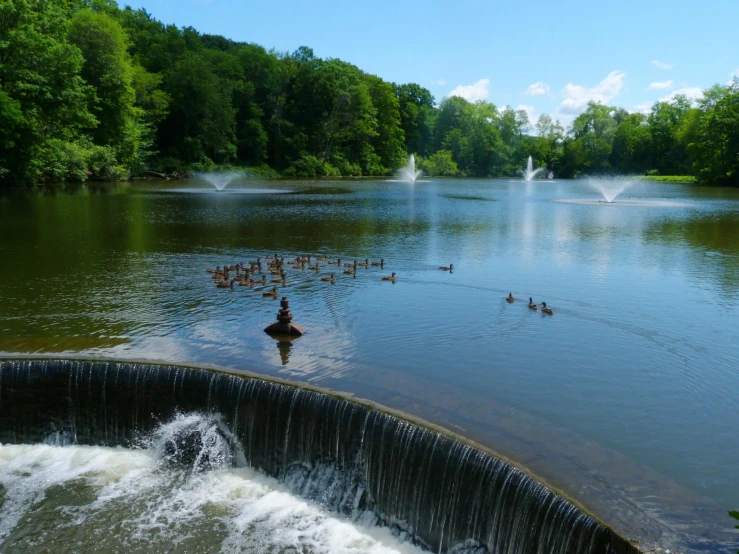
(549, 57)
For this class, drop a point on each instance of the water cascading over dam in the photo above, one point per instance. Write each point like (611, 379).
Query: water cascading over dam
(364, 463)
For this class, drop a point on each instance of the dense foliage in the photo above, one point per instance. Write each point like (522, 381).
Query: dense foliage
(88, 90)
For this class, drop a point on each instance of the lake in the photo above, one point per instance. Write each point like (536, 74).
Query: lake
(625, 397)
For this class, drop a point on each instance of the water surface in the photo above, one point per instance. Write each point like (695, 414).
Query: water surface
(626, 397)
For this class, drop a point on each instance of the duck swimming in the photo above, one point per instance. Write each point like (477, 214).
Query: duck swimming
(545, 309)
(379, 264)
(445, 268)
(328, 279)
(272, 292)
(510, 298)
(532, 306)
(389, 277)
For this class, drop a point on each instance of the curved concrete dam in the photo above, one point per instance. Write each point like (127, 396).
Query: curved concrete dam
(352, 457)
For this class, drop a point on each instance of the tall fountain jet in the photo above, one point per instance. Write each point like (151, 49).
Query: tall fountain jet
(409, 173)
(529, 173)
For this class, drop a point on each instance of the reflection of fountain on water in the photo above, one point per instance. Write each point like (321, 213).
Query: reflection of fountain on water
(409, 173)
(218, 179)
(529, 173)
(611, 188)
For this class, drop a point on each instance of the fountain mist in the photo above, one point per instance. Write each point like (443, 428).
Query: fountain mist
(409, 172)
(611, 188)
(529, 173)
(219, 180)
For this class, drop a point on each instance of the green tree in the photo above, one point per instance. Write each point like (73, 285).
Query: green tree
(588, 149)
(449, 117)
(631, 143)
(389, 142)
(417, 114)
(716, 142)
(91, 90)
(440, 163)
(201, 120)
(471, 132)
(548, 128)
(348, 121)
(149, 95)
(669, 154)
(108, 68)
(12, 126)
(40, 76)
(597, 121)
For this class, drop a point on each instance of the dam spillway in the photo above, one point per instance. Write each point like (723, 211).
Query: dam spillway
(364, 463)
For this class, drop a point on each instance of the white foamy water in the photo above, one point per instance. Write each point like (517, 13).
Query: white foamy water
(88, 499)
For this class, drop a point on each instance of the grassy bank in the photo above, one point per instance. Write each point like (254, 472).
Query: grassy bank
(686, 179)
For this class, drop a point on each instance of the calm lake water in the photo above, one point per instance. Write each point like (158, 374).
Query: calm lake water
(626, 397)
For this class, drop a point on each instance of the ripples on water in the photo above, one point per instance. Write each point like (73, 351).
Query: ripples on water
(640, 355)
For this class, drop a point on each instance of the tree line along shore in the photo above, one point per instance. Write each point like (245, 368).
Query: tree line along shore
(92, 91)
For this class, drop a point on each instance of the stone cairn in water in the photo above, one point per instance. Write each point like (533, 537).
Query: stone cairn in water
(284, 325)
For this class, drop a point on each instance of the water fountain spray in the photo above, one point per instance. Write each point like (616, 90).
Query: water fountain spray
(610, 188)
(219, 180)
(409, 172)
(529, 173)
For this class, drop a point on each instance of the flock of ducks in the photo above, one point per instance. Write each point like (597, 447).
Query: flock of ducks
(248, 274)
(244, 274)
(544, 308)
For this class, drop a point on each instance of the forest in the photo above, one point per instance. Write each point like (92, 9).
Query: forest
(92, 91)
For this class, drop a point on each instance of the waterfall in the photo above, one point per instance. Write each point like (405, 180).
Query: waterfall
(357, 460)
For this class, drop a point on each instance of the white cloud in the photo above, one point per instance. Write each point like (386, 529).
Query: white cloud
(441, 82)
(663, 65)
(644, 107)
(576, 97)
(660, 85)
(528, 109)
(693, 94)
(537, 89)
(473, 93)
